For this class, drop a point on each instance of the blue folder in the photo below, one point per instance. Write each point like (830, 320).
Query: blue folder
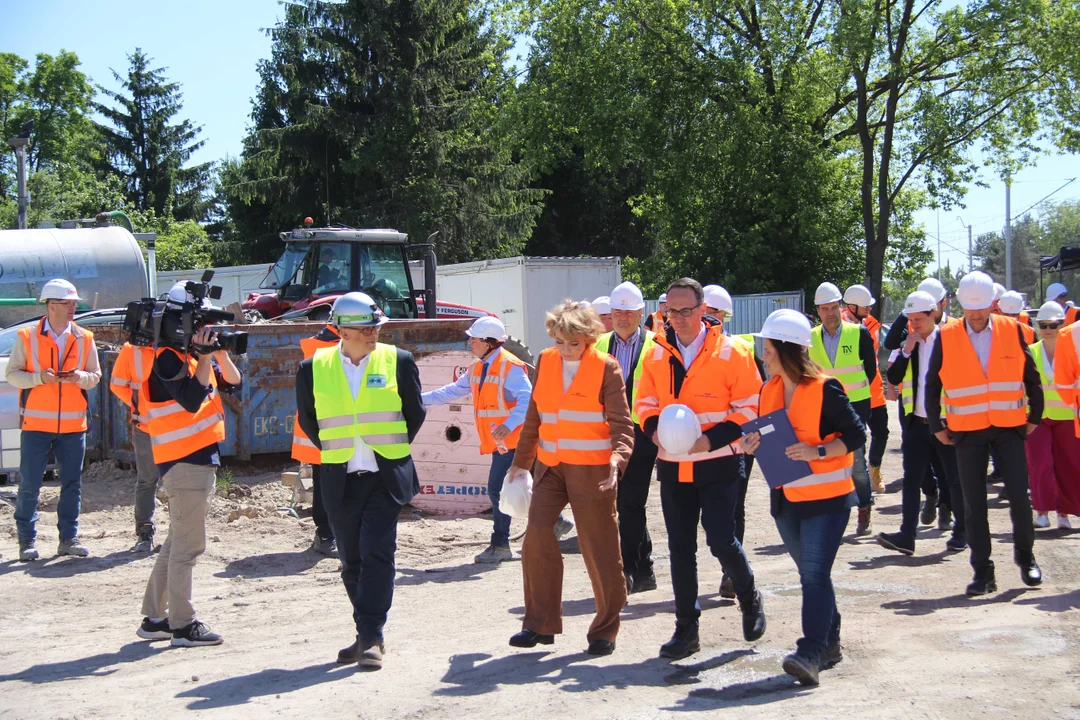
(777, 434)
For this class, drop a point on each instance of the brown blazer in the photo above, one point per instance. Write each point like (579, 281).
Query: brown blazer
(617, 412)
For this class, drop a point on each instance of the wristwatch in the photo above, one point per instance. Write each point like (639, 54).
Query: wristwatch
(821, 451)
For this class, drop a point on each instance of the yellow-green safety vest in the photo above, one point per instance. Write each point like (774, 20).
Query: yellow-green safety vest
(848, 368)
(1053, 406)
(375, 415)
(603, 344)
(907, 391)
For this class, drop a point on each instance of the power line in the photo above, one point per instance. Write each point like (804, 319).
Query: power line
(1040, 202)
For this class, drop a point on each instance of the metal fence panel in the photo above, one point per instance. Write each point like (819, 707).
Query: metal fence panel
(751, 310)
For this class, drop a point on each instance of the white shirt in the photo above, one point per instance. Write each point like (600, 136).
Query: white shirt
(61, 340)
(924, 347)
(569, 370)
(689, 352)
(363, 458)
(981, 342)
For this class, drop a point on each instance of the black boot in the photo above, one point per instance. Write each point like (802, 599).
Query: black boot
(1030, 573)
(984, 581)
(753, 615)
(684, 642)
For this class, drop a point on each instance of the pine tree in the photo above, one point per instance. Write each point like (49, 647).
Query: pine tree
(148, 148)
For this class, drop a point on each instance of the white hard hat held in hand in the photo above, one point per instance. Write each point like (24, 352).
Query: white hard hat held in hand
(1055, 291)
(827, 293)
(1050, 312)
(919, 301)
(516, 493)
(859, 295)
(59, 289)
(786, 325)
(487, 327)
(677, 429)
(719, 298)
(1011, 302)
(626, 296)
(976, 291)
(602, 305)
(934, 287)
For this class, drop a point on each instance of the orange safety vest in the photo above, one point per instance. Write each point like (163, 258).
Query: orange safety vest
(873, 326)
(658, 322)
(721, 384)
(1067, 371)
(58, 407)
(829, 477)
(1029, 333)
(1071, 314)
(490, 402)
(975, 400)
(130, 374)
(573, 426)
(302, 448)
(174, 432)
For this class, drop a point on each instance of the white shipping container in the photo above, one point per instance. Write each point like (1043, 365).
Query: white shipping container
(520, 290)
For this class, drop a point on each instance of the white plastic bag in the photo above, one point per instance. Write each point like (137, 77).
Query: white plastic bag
(516, 496)
(678, 429)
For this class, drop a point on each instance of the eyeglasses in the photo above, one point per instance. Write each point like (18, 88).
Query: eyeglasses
(367, 331)
(684, 313)
(1049, 326)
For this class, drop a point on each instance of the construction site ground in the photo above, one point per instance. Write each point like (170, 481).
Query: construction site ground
(914, 645)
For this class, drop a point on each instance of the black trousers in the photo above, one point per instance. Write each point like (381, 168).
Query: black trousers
(740, 508)
(935, 482)
(634, 540)
(921, 449)
(364, 517)
(972, 455)
(879, 435)
(318, 507)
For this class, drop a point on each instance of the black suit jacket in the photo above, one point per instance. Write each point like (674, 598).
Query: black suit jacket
(399, 476)
(895, 375)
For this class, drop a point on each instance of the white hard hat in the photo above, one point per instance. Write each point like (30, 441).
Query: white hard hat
(919, 301)
(678, 429)
(602, 305)
(515, 496)
(934, 287)
(59, 289)
(1050, 311)
(999, 290)
(1011, 303)
(584, 303)
(1055, 291)
(487, 327)
(827, 293)
(626, 296)
(357, 309)
(786, 325)
(719, 298)
(976, 291)
(663, 298)
(859, 295)
(178, 294)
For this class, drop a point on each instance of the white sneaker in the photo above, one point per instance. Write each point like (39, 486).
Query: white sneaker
(1042, 521)
(1063, 522)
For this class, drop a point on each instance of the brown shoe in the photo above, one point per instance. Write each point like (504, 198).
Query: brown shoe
(876, 483)
(350, 654)
(371, 657)
(864, 526)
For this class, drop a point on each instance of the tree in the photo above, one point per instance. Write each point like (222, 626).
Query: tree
(384, 114)
(148, 148)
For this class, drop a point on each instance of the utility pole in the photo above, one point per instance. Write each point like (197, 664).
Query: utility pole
(19, 144)
(964, 224)
(1008, 233)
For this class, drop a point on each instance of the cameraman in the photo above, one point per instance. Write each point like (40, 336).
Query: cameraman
(186, 421)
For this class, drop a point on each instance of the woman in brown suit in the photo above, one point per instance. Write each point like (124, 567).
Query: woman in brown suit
(578, 430)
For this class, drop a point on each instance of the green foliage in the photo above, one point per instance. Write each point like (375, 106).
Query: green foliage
(64, 191)
(224, 481)
(183, 245)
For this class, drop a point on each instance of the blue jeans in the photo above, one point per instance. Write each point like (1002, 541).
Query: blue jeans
(861, 476)
(500, 535)
(812, 543)
(69, 449)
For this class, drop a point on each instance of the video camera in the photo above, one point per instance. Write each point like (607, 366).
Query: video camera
(151, 322)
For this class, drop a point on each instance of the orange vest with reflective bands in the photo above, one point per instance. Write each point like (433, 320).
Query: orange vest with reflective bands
(302, 448)
(1029, 333)
(573, 426)
(1071, 314)
(829, 477)
(873, 326)
(175, 433)
(657, 322)
(489, 401)
(721, 384)
(975, 400)
(130, 374)
(59, 407)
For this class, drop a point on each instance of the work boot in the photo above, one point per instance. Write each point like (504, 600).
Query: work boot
(494, 554)
(929, 509)
(864, 526)
(644, 581)
(145, 539)
(944, 519)
(563, 528)
(727, 587)
(876, 483)
(897, 541)
(684, 642)
(349, 655)
(27, 551)
(984, 581)
(73, 548)
(957, 543)
(802, 668)
(327, 547)
(371, 655)
(753, 616)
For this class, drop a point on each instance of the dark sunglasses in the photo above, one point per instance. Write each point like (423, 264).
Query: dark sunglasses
(1049, 326)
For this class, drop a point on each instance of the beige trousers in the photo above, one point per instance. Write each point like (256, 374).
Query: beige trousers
(168, 592)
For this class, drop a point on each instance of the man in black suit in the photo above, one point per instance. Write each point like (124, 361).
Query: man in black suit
(359, 403)
(909, 370)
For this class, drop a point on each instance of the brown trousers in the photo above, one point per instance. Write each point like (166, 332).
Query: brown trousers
(598, 537)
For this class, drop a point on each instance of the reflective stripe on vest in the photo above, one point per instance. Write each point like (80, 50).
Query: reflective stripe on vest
(1054, 407)
(848, 367)
(54, 407)
(998, 397)
(573, 427)
(176, 433)
(374, 415)
(829, 477)
(303, 449)
(490, 403)
(647, 344)
(907, 391)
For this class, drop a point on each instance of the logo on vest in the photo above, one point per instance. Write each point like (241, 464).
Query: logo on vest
(376, 381)
(847, 349)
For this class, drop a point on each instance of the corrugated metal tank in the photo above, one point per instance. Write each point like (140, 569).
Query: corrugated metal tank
(105, 264)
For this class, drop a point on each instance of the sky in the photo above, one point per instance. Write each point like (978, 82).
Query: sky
(212, 47)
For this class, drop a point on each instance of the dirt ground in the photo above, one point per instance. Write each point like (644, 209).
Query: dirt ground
(914, 645)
